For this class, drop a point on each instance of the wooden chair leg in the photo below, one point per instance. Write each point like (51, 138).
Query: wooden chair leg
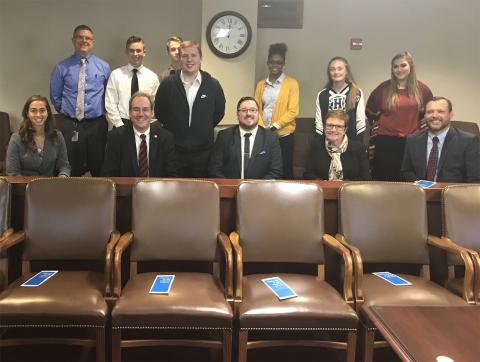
(368, 343)
(227, 345)
(100, 348)
(242, 345)
(116, 349)
(351, 346)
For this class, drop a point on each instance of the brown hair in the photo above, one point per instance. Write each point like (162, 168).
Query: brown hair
(339, 114)
(27, 130)
(190, 43)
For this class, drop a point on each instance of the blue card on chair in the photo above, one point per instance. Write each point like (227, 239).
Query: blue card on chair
(39, 278)
(279, 288)
(392, 278)
(162, 284)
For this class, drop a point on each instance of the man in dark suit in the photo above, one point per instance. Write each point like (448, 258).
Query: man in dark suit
(246, 150)
(441, 152)
(140, 149)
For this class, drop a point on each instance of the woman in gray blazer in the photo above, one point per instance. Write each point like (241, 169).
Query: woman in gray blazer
(37, 149)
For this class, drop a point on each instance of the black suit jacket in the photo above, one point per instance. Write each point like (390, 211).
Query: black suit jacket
(354, 161)
(459, 160)
(265, 159)
(121, 153)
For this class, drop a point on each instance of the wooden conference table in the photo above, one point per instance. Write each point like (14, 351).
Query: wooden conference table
(228, 189)
(430, 334)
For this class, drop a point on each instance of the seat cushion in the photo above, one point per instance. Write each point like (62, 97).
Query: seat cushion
(196, 300)
(422, 292)
(69, 298)
(318, 305)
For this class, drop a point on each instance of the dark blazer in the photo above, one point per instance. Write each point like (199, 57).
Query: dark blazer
(354, 161)
(121, 153)
(459, 160)
(171, 109)
(265, 160)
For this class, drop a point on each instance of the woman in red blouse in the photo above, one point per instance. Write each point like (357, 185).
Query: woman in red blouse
(395, 110)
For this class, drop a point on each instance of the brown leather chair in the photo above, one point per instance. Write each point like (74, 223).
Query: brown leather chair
(6, 233)
(69, 223)
(461, 230)
(5, 133)
(280, 224)
(384, 224)
(174, 221)
(466, 126)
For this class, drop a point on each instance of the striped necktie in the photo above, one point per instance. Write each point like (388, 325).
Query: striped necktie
(142, 157)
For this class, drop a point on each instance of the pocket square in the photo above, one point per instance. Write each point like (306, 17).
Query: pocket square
(262, 152)
(203, 96)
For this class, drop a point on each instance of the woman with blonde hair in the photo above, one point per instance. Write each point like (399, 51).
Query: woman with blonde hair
(341, 93)
(395, 110)
(37, 149)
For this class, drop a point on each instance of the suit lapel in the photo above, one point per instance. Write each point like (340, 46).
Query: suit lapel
(420, 153)
(448, 138)
(153, 150)
(237, 147)
(132, 150)
(258, 145)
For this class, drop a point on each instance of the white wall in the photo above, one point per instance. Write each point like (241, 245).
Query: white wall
(443, 35)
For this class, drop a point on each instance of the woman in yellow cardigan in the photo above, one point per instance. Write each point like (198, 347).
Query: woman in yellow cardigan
(278, 98)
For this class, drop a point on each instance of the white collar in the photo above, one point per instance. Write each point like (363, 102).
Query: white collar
(138, 134)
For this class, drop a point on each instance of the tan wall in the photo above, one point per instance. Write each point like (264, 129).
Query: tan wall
(443, 35)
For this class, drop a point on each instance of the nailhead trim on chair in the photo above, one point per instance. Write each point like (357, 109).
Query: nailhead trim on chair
(50, 326)
(298, 329)
(172, 327)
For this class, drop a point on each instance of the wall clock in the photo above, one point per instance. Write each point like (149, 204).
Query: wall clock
(228, 34)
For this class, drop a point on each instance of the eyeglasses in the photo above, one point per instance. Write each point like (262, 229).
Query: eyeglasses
(334, 126)
(138, 110)
(276, 62)
(248, 110)
(83, 38)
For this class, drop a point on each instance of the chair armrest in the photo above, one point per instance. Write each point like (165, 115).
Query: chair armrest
(476, 286)
(125, 240)
(9, 239)
(450, 247)
(332, 243)
(224, 242)
(357, 271)
(238, 271)
(114, 237)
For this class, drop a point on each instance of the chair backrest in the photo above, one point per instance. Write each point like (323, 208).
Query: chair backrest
(175, 220)
(386, 221)
(4, 205)
(5, 132)
(280, 221)
(461, 215)
(466, 126)
(68, 218)
(304, 132)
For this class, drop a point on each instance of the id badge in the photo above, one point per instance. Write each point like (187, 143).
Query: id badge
(75, 136)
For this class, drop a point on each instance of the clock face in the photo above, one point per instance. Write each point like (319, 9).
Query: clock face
(228, 34)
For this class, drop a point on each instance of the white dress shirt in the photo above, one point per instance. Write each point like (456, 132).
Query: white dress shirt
(118, 91)
(269, 98)
(138, 140)
(191, 90)
(441, 140)
(242, 142)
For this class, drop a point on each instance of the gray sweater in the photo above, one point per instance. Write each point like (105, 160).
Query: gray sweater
(51, 161)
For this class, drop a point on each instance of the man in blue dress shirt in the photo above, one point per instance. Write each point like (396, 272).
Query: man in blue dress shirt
(77, 89)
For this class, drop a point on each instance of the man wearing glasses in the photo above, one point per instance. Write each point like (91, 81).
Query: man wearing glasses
(246, 151)
(77, 89)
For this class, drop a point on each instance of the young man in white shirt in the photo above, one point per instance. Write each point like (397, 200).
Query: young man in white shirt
(127, 80)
